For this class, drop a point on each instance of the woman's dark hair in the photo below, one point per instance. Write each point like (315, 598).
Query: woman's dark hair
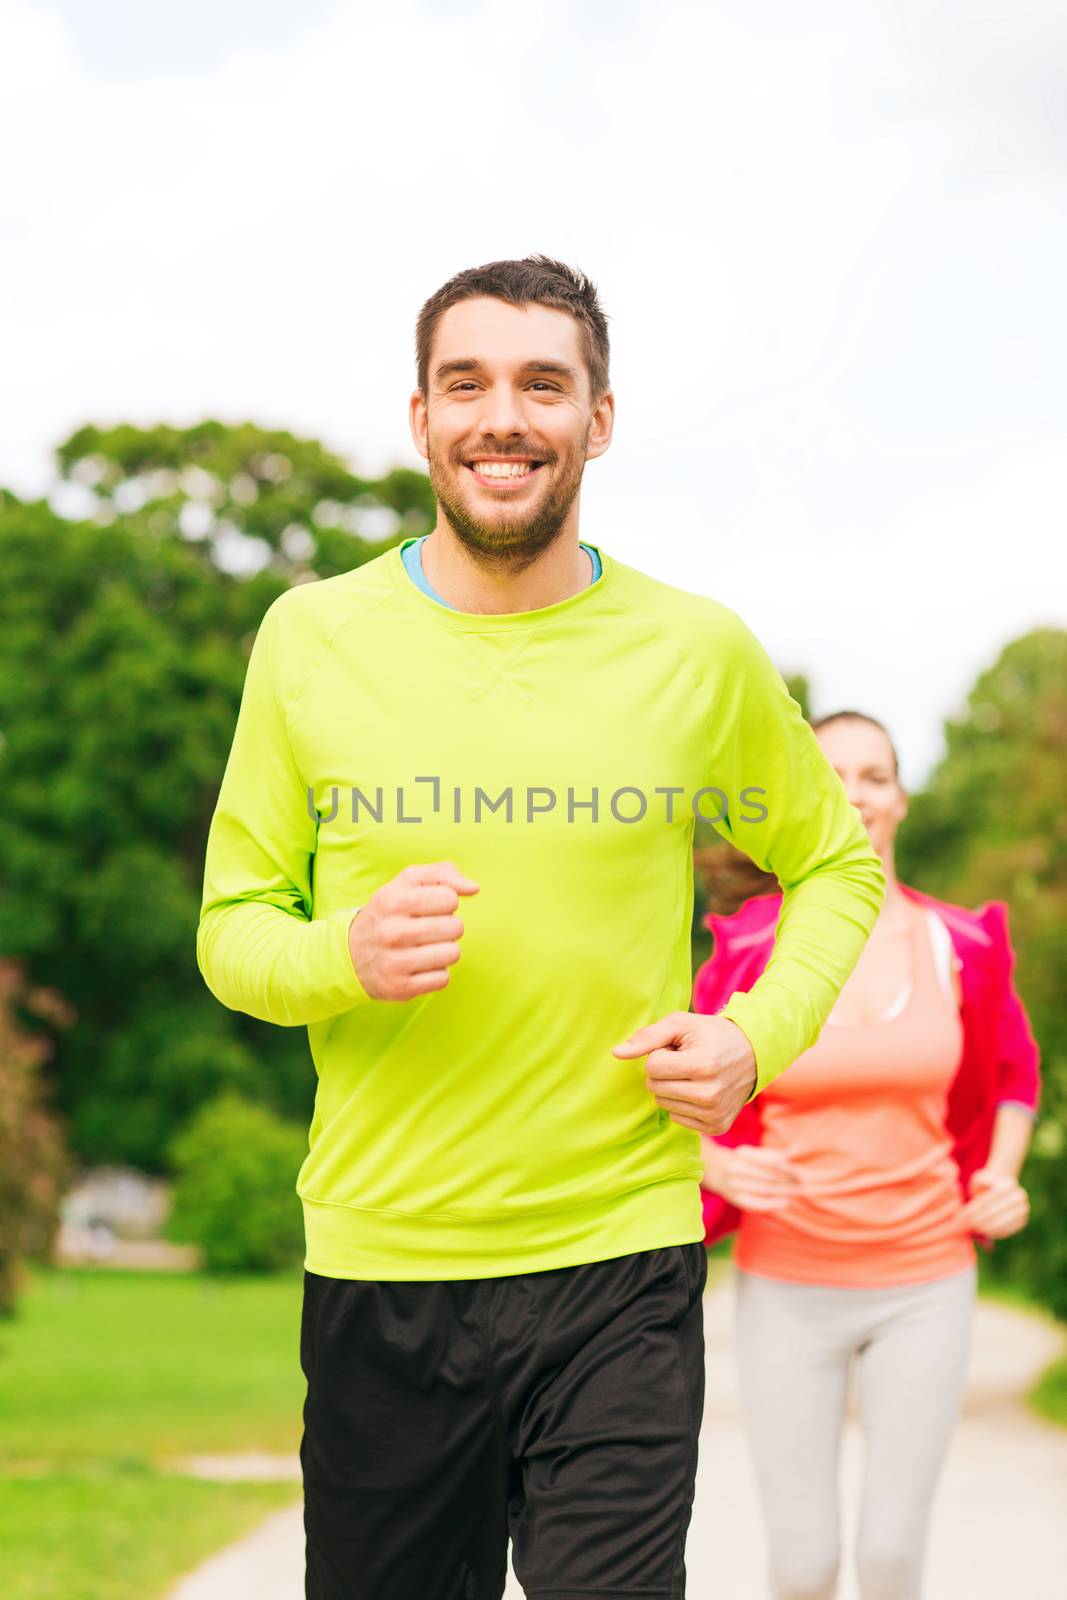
(858, 716)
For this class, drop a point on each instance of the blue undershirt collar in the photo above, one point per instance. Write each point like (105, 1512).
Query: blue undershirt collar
(412, 558)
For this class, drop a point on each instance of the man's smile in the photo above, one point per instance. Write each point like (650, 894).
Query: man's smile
(502, 472)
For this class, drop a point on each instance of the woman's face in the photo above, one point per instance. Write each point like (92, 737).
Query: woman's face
(861, 756)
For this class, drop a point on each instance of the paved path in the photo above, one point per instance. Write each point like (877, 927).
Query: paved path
(999, 1528)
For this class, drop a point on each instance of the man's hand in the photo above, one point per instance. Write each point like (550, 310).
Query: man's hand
(701, 1069)
(403, 941)
(999, 1205)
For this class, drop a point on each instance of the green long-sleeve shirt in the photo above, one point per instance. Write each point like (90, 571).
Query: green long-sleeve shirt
(558, 757)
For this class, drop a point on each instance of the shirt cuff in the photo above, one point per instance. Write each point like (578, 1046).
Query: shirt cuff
(343, 971)
(748, 1033)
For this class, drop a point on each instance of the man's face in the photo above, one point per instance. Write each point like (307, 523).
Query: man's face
(507, 424)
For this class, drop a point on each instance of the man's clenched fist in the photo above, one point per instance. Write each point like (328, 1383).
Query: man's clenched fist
(700, 1069)
(403, 941)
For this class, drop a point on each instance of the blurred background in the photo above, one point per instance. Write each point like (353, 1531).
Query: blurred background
(832, 242)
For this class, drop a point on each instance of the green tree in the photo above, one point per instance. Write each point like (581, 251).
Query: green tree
(249, 496)
(992, 825)
(124, 639)
(236, 1165)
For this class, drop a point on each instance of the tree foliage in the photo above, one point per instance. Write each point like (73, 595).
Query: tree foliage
(33, 1157)
(124, 639)
(251, 497)
(236, 1165)
(992, 825)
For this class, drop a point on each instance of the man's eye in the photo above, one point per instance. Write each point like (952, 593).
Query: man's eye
(539, 384)
(467, 385)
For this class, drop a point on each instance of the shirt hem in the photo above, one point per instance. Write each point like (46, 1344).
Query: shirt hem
(389, 1246)
(858, 1276)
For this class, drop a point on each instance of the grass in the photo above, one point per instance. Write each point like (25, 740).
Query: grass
(106, 1375)
(115, 1535)
(1048, 1397)
(1049, 1394)
(140, 1366)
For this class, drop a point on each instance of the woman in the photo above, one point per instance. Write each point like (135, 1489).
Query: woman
(856, 1182)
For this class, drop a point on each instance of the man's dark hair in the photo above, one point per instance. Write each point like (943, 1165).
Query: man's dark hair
(535, 280)
(858, 716)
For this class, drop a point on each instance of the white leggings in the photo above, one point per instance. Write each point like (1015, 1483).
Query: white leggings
(795, 1344)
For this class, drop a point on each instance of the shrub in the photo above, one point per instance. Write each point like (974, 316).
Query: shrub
(235, 1166)
(33, 1157)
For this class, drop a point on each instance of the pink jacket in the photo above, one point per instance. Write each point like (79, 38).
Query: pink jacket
(1000, 1056)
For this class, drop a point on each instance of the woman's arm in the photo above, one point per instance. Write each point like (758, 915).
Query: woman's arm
(998, 1204)
(1013, 1129)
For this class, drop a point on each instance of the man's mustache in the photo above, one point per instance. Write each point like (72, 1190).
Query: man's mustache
(461, 457)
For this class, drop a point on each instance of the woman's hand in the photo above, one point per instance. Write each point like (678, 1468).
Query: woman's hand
(749, 1176)
(998, 1207)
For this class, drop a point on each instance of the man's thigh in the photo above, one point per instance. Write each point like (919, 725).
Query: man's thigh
(602, 1374)
(406, 1477)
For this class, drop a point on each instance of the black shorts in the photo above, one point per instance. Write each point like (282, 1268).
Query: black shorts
(560, 1408)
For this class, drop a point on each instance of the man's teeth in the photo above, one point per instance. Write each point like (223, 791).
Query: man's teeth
(503, 469)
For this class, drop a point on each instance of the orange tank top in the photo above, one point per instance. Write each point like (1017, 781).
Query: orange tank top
(862, 1114)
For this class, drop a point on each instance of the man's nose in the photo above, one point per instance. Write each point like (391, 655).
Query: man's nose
(501, 413)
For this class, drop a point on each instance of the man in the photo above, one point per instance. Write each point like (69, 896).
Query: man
(492, 743)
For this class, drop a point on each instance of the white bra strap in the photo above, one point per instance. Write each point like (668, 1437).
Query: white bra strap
(941, 940)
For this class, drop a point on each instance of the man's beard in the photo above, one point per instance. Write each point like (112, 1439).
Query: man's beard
(512, 539)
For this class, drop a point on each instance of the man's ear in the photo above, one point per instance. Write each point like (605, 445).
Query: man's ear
(602, 423)
(417, 420)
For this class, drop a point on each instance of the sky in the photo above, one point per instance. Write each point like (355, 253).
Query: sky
(831, 240)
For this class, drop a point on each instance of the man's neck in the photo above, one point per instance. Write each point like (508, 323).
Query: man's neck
(564, 569)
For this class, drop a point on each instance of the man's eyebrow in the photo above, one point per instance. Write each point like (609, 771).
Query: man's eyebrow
(447, 368)
(559, 367)
(470, 364)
